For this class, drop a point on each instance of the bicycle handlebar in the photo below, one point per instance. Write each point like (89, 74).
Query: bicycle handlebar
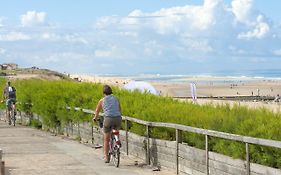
(99, 121)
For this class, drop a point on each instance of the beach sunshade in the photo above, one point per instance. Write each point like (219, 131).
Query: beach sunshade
(141, 86)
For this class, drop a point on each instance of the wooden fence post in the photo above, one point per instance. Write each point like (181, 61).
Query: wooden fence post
(147, 145)
(178, 140)
(126, 137)
(92, 132)
(2, 164)
(248, 171)
(207, 153)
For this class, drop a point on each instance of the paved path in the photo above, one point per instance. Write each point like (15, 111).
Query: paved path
(29, 151)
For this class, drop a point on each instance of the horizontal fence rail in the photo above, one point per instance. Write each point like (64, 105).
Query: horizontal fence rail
(208, 133)
(223, 135)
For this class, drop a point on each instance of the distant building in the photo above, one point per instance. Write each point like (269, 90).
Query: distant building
(34, 67)
(8, 66)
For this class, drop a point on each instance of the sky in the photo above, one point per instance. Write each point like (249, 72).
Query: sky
(142, 37)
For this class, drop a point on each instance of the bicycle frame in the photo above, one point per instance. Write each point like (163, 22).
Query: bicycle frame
(114, 147)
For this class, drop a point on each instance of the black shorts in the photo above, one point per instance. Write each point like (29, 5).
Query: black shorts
(10, 101)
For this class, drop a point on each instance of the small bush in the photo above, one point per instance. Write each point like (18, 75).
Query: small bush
(36, 124)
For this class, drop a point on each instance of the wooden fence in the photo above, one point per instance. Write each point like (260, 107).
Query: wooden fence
(2, 164)
(207, 133)
(179, 148)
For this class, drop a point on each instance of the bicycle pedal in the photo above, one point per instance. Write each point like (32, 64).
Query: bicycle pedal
(97, 146)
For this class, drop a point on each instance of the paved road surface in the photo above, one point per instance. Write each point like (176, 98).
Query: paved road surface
(29, 151)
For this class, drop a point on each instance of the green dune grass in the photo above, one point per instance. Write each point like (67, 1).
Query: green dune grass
(50, 97)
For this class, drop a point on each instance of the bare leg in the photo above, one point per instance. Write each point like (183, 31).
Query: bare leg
(6, 119)
(106, 145)
(15, 110)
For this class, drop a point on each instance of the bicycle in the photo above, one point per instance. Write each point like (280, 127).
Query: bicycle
(11, 113)
(114, 144)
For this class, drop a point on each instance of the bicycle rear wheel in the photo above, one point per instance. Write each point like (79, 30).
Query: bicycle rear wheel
(13, 116)
(115, 155)
(9, 116)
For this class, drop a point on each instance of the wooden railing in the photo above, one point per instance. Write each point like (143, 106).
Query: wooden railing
(2, 164)
(208, 133)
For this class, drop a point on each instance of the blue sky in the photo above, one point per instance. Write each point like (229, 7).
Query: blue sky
(126, 37)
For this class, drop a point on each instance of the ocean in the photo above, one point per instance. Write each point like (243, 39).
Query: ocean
(216, 77)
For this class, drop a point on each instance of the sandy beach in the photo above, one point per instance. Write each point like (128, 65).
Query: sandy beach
(207, 87)
(211, 88)
(116, 81)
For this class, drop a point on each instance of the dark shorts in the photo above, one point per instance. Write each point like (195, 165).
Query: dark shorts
(10, 101)
(111, 123)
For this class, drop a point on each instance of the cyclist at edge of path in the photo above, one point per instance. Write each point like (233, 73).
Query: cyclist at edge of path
(112, 116)
(9, 94)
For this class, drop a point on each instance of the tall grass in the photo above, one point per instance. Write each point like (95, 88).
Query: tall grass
(2, 85)
(50, 97)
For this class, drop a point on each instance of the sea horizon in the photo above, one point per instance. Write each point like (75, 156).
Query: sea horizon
(267, 74)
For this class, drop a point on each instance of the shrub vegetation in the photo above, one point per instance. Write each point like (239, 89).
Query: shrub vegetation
(49, 99)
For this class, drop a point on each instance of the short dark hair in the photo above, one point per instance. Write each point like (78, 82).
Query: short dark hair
(107, 90)
(9, 83)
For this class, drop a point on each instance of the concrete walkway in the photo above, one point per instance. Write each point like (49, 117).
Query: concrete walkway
(29, 151)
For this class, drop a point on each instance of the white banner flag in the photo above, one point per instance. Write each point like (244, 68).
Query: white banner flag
(193, 92)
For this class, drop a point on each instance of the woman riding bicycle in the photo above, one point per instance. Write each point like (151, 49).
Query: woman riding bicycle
(112, 116)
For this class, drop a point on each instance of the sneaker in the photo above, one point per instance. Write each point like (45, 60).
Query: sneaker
(106, 159)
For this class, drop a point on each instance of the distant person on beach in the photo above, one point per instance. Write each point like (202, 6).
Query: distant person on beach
(112, 116)
(277, 98)
(258, 92)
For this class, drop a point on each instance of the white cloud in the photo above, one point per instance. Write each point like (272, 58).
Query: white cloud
(277, 52)
(1, 21)
(129, 34)
(153, 48)
(65, 57)
(33, 18)
(69, 38)
(169, 20)
(201, 46)
(103, 53)
(74, 38)
(235, 50)
(190, 32)
(14, 36)
(260, 31)
(50, 36)
(106, 21)
(179, 19)
(2, 51)
(119, 52)
(242, 10)
(179, 35)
